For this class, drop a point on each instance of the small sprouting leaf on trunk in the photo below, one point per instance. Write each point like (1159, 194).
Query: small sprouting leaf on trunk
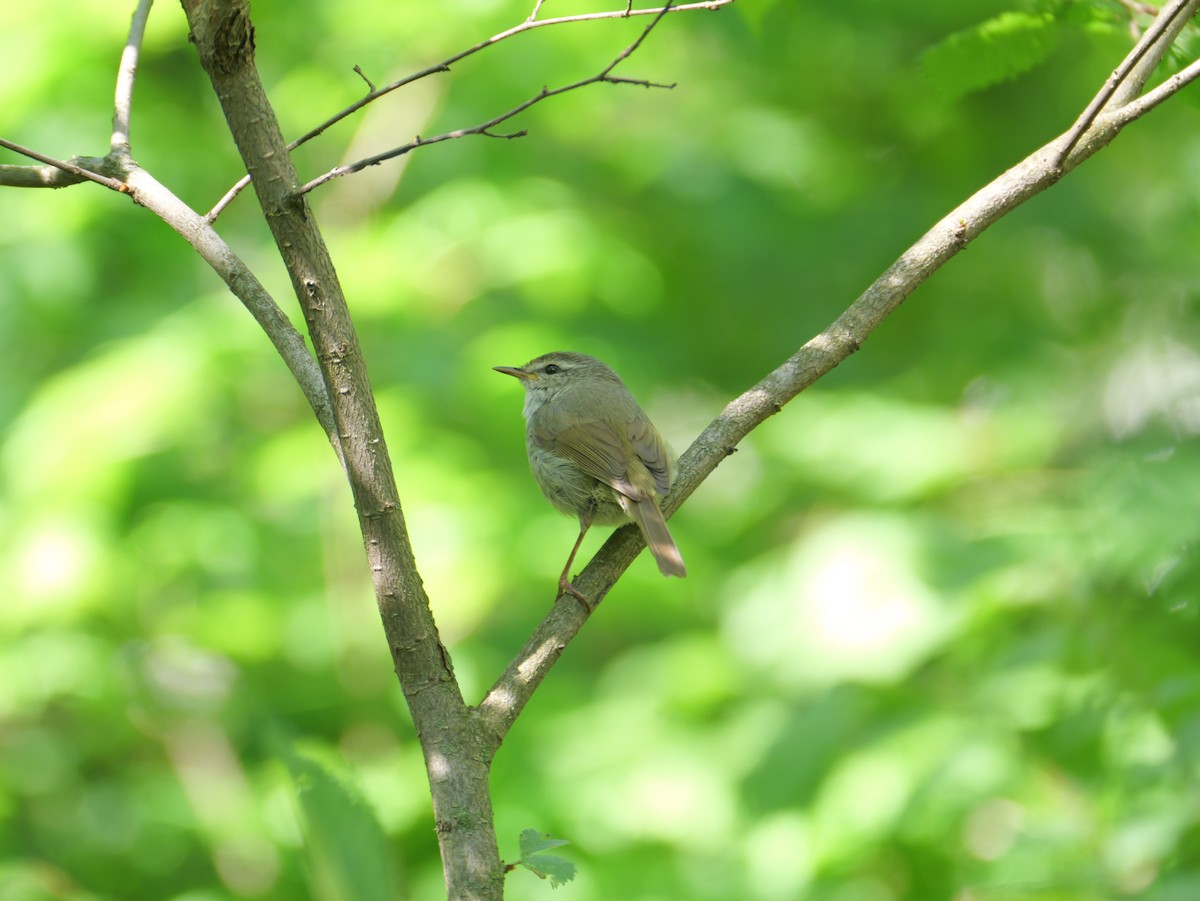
(557, 869)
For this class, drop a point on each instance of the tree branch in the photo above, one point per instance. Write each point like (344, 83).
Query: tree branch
(444, 66)
(126, 76)
(118, 172)
(485, 128)
(1158, 38)
(59, 173)
(1129, 79)
(458, 770)
(241, 281)
(1040, 170)
(528, 25)
(1137, 108)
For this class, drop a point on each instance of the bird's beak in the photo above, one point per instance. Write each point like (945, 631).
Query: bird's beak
(516, 371)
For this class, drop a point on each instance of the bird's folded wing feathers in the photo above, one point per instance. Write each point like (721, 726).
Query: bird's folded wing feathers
(596, 449)
(652, 451)
(599, 451)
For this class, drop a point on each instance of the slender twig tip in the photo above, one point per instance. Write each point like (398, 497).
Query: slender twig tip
(363, 76)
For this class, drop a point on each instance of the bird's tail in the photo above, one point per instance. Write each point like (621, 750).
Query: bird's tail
(658, 537)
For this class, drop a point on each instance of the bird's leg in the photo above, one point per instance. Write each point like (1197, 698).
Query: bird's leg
(564, 581)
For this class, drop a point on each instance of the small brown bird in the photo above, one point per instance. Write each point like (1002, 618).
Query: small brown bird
(595, 453)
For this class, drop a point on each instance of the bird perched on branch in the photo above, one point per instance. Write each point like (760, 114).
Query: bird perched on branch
(595, 453)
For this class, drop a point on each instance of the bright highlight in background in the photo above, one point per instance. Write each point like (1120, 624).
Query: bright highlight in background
(846, 604)
(51, 563)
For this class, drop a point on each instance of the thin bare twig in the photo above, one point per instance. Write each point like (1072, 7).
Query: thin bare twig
(632, 48)
(37, 177)
(363, 76)
(219, 207)
(485, 128)
(527, 25)
(126, 75)
(444, 66)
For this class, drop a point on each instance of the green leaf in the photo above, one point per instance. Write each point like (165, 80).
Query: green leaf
(533, 842)
(992, 52)
(557, 869)
(347, 851)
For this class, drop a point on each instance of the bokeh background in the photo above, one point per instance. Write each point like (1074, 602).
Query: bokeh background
(940, 634)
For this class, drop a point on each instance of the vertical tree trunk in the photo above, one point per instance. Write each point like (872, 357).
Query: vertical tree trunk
(456, 759)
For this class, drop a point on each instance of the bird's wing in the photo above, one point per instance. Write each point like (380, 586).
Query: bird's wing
(651, 450)
(601, 452)
(597, 449)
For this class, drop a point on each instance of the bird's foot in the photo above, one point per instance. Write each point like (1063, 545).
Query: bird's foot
(565, 587)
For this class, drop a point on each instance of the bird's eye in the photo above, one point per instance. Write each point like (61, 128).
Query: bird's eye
(552, 368)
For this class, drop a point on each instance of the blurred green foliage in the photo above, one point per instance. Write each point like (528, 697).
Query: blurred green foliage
(940, 635)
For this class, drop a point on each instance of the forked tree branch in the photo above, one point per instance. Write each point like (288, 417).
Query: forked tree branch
(1138, 107)
(459, 742)
(374, 93)
(485, 128)
(458, 770)
(1129, 79)
(528, 25)
(505, 700)
(458, 751)
(119, 172)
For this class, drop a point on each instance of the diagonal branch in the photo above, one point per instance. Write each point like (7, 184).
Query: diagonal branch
(243, 284)
(1040, 170)
(485, 128)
